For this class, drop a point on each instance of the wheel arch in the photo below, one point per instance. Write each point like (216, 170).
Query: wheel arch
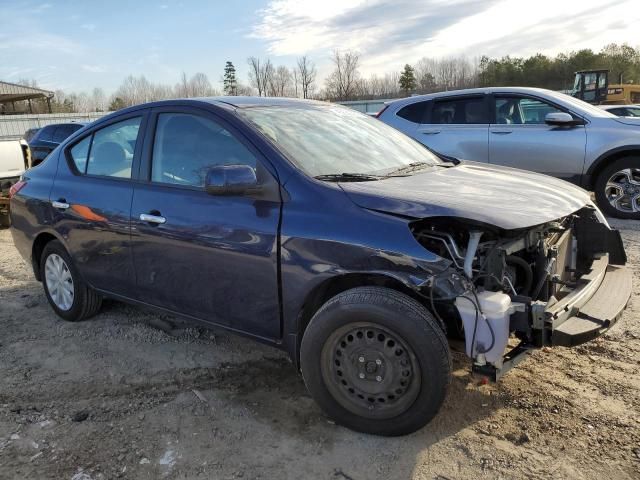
(605, 159)
(39, 242)
(336, 285)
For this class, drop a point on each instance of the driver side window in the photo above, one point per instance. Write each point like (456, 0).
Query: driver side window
(186, 146)
(522, 110)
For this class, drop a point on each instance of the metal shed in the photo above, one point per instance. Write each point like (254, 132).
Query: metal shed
(10, 93)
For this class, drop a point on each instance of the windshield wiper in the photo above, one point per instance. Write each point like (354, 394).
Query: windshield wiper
(412, 167)
(409, 168)
(348, 177)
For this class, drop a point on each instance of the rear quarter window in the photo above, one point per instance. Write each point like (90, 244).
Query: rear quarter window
(414, 112)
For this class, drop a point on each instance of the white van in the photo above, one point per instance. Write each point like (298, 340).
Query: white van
(14, 160)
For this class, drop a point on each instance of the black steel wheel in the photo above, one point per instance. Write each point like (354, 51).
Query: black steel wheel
(376, 361)
(370, 371)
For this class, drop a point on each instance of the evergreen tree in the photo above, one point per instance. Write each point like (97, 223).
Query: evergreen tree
(116, 104)
(229, 81)
(407, 79)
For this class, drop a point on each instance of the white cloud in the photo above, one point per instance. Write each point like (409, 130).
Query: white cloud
(389, 34)
(94, 68)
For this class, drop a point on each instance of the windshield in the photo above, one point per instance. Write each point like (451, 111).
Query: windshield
(580, 105)
(325, 140)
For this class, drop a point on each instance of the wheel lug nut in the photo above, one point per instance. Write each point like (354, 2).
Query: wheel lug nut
(378, 362)
(361, 375)
(361, 359)
(378, 378)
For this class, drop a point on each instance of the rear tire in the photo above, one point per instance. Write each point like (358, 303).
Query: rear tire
(376, 361)
(69, 296)
(622, 177)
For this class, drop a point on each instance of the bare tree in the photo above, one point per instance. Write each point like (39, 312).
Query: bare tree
(199, 85)
(306, 72)
(98, 100)
(256, 77)
(342, 83)
(268, 73)
(280, 81)
(426, 75)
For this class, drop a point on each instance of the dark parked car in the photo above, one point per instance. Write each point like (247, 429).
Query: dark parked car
(46, 139)
(325, 233)
(29, 134)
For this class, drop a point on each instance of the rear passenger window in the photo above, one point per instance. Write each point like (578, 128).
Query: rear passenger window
(108, 151)
(414, 112)
(112, 149)
(470, 110)
(187, 146)
(80, 153)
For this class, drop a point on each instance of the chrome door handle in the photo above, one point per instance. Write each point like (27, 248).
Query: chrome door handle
(501, 132)
(59, 205)
(145, 217)
(430, 132)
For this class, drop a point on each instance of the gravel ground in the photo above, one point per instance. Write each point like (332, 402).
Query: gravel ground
(115, 398)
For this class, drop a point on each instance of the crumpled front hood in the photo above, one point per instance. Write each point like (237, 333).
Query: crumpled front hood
(505, 197)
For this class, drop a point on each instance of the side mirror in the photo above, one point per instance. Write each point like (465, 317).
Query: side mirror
(560, 119)
(231, 180)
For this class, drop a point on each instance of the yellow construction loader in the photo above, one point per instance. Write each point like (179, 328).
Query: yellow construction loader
(593, 86)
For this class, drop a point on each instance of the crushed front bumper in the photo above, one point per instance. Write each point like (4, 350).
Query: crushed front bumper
(591, 308)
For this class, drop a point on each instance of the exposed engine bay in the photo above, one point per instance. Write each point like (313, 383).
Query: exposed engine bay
(523, 283)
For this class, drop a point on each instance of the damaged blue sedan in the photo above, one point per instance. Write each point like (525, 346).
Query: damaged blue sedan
(327, 234)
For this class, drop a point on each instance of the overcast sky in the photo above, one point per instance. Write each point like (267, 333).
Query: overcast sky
(79, 44)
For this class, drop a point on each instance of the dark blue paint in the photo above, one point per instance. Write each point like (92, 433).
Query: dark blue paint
(250, 263)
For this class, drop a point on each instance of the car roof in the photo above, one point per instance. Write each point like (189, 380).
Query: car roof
(248, 102)
(226, 102)
(472, 91)
(609, 107)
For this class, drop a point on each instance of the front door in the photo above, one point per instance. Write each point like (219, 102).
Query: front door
(520, 138)
(210, 257)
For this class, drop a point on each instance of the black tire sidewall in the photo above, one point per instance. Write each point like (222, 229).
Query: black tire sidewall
(601, 182)
(75, 312)
(418, 330)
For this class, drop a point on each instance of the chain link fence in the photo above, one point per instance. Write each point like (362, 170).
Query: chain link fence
(13, 127)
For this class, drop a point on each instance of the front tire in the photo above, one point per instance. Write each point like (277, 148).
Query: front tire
(69, 296)
(376, 361)
(617, 188)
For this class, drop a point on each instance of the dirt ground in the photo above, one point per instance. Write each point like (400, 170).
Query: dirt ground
(115, 398)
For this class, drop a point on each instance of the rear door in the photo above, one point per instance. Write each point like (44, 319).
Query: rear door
(211, 257)
(520, 138)
(91, 201)
(458, 126)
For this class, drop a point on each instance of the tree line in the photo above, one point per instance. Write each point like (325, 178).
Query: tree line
(345, 80)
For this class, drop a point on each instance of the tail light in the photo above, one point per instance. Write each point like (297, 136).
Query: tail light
(16, 187)
(380, 112)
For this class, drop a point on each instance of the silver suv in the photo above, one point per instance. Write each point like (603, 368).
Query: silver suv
(532, 129)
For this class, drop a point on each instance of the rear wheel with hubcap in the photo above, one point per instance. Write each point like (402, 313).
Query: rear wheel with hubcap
(376, 361)
(617, 188)
(69, 296)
